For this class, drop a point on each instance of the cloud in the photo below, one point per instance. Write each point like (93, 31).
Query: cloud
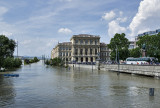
(64, 31)
(36, 46)
(122, 20)
(114, 28)
(8, 34)
(3, 10)
(114, 25)
(147, 17)
(109, 16)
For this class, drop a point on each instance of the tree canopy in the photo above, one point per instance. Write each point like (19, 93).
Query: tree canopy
(152, 45)
(121, 43)
(7, 47)
(136, 52)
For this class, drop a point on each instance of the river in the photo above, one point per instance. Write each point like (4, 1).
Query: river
(39, 86)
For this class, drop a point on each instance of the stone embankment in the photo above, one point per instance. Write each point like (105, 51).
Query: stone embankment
(83, 66)
(148, 70)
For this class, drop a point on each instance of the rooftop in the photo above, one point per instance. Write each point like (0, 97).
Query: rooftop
(85, 35)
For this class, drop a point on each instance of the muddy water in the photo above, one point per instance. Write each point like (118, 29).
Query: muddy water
(39, 86)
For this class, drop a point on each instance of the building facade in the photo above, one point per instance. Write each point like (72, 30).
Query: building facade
(148, 33)
(104, 52)
(82, 48)
(63, 51)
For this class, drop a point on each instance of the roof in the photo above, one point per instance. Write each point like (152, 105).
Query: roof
(85, 35)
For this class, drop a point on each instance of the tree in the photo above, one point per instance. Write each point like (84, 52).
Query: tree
(35, 59)
(7, 47)
(152, 45)
(135, 52)
(56, 62)
(121, 43)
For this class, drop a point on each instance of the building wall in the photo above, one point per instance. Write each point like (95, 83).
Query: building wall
(81, 48)
(85, 48)
(104, 52)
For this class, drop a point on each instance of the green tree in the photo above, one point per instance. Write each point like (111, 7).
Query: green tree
(8, 62)
(7, 47)
(121, 43)
(135, 52)
(17, 62)
(152, 45)
(56, 62)
(35, 59)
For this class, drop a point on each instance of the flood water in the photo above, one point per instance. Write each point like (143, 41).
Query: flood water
(39, 86)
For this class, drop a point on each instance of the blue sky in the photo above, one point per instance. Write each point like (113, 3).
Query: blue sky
(38, 25)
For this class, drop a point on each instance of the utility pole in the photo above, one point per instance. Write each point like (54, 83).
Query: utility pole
(116, 53)
(17, 49)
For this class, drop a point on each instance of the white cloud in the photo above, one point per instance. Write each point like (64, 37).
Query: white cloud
(36, 46)
(122, 20)
(120, 13)
(109, 16)
(8, 34)
(114, 28)
(3, 10)
(147, 17)
(64, 31)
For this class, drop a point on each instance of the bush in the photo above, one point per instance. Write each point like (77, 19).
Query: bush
(26, 61)
(47, 62)
(35, 59)
(55, 62)
(10, 63)
(17, 62)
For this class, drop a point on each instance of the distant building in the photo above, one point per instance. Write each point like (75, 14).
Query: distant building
(82, 48)
(148, 33)
(132, 44)
(63, 51)
(104, 52)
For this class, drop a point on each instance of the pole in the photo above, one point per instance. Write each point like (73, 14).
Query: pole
(92, 66)
(116, 53)
(17, 49)
(118, 63)
(79, 66)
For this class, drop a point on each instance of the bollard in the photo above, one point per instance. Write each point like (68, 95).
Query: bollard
(151, 91)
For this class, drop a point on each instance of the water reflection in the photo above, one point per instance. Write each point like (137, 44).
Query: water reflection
(7, 92)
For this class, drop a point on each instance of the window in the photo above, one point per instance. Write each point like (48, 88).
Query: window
(90, 51)
(76, 51)
(76, 41)
(67, 48)
(60, 54)
(86, 51)
(66, 53)
(96, 51)
(81, 51)
(86, 42)
(95, 42)
(91, 41)
(81, 41)
(63, 54)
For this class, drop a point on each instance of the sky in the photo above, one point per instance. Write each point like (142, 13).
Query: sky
(38, 25)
